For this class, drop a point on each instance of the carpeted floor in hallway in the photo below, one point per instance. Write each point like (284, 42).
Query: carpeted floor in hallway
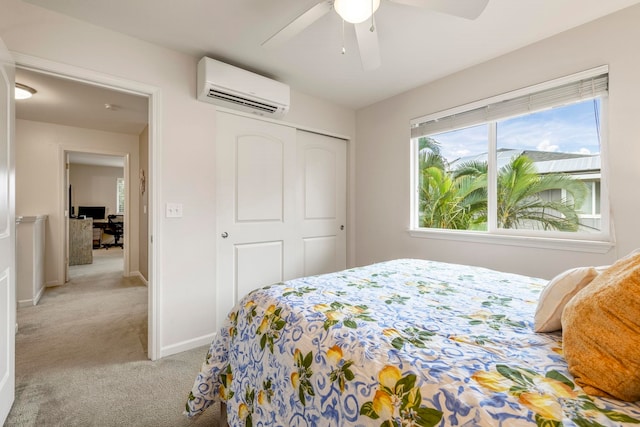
(81, 357)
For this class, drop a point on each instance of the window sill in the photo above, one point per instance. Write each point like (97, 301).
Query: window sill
(523, 241)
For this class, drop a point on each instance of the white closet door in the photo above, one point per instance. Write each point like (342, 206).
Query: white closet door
(256, 209)
(281, 206)
(7, 237)
(322, 198)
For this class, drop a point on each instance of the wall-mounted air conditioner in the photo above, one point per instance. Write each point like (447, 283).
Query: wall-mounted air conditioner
(228, 86)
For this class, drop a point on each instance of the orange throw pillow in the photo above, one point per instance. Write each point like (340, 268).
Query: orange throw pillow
(601, 332)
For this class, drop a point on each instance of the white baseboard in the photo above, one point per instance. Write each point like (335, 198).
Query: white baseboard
(38, 296)
(52, 284)
(32, 301)
(25, 303)
(187, 345)
(139, 275)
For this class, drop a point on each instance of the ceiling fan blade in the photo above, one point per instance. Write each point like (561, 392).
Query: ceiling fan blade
(300, 23)
(469, 9)
(368, 45)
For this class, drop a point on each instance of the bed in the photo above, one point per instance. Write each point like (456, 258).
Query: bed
(404, 342)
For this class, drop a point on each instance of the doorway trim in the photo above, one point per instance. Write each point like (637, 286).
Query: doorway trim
(154, 94)
(64, 150)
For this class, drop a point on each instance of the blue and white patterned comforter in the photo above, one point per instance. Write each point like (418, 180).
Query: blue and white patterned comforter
(399, 343)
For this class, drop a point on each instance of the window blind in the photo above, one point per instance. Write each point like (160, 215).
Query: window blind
(564, 94)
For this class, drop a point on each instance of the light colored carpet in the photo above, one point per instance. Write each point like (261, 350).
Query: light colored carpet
(81, 357)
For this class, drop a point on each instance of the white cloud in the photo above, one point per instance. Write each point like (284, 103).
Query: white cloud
(584, 150)
(546, 145)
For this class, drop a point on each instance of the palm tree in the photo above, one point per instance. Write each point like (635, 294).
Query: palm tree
(520, 204)
(458, 199)
(440, 200)
(471, 178)
(441, 205)
(429, 154)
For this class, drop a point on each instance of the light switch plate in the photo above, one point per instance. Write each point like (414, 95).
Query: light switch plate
(174, 210)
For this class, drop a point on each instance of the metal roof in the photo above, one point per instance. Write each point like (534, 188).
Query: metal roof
(544, 161)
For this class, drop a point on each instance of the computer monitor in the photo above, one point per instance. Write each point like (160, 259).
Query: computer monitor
(95, 212)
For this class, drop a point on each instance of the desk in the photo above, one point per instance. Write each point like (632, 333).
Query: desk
(98, 227)
(100, 223)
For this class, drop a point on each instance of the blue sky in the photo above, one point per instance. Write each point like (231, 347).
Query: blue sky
(570, 129)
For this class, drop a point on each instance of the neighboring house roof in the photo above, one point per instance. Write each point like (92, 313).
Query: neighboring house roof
(575, 165)
(544, 161)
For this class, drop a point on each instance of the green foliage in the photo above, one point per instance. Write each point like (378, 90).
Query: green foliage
(458, 199)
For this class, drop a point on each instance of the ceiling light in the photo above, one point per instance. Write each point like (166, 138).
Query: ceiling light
(24, 91)
(356, 11)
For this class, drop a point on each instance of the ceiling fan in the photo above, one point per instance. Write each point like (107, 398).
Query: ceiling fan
(360, 13)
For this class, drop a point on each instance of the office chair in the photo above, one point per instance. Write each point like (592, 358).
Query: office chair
(116, 229)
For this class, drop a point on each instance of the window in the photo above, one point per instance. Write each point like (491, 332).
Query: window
(120, 196)
(523, 164)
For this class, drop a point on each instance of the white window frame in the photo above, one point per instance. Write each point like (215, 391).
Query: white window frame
(586, 242)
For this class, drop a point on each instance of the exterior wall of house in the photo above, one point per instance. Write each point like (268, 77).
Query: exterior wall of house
(186, 246)
(383, 199)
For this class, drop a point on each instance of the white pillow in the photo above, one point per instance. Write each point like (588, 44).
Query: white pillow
(557, 294)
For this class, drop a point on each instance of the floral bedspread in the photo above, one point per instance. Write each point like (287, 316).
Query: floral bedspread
(399, 343)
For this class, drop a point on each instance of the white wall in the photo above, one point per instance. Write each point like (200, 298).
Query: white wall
(383, 147)
(186, 255)
(94, 186)
(39, 189)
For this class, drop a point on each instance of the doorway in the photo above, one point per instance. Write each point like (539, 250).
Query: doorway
(98, 216)
(135, 241)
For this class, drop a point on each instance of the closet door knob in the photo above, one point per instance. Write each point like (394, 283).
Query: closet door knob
(225, 235)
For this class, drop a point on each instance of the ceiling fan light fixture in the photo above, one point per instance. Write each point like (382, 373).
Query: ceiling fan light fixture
(356, 11)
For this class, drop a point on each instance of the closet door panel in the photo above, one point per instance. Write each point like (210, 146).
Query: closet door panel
(322, 171)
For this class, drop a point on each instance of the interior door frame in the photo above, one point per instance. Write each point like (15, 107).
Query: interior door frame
(8, 229)
(64, 211)
(66, 215)
(154, 244)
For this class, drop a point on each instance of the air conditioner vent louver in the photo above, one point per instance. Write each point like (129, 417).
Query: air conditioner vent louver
(232, 87)
(242, 101)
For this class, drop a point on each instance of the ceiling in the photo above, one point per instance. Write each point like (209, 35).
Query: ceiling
(96, 160)
(71, 103)
(417, 46)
